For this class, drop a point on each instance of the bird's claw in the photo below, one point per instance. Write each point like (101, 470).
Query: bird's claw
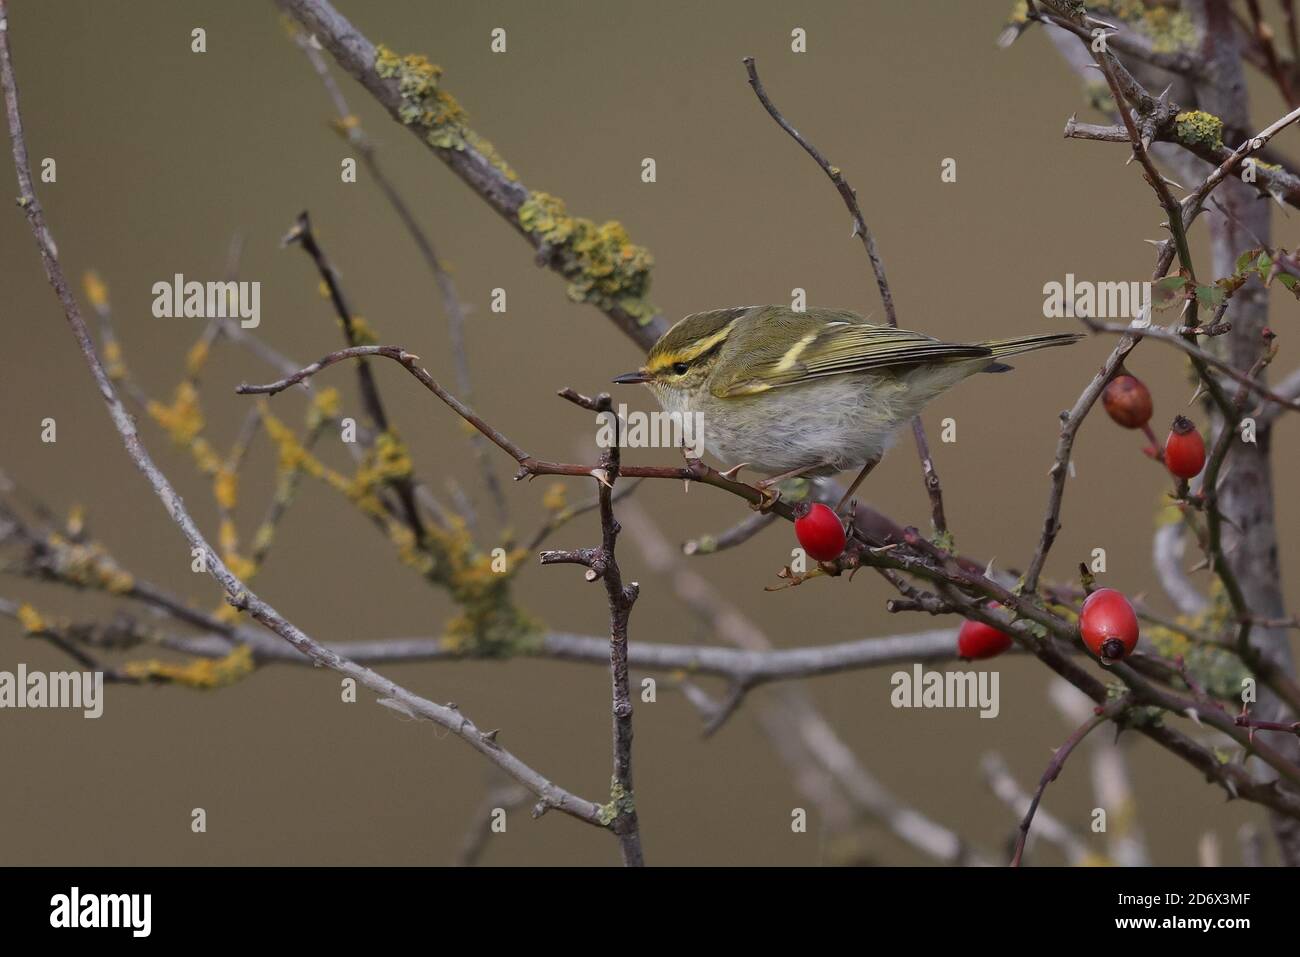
(770, 496)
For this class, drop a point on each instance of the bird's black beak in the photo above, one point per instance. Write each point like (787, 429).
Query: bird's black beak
(631, 378)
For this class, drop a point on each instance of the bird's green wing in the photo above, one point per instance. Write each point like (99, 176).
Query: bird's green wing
(823, 343)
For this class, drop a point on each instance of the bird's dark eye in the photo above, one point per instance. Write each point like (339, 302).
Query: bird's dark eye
(680, 368)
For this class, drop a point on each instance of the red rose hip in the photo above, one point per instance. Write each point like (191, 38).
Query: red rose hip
(977, 640)
(1108, 625)
(820, 532)
(1184, 449)
(1127, 401)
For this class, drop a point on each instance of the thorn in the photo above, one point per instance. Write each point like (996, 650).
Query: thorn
(591, 574)
(490, 736)
(731, 473)
(601, 476)
(1191, 713)
(687, 483)
(988, 569)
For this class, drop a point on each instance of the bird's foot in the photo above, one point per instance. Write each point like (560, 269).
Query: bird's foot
(770, 496)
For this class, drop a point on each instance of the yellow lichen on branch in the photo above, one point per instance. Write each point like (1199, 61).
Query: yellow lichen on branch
(32, 621)
(87, 564)
(1198, 128)
(425, 104)
(200, 673)
(183, 420)
(603, 266)
(96, 291)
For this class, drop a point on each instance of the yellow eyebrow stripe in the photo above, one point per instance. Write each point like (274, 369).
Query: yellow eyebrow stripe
(697, 349)
(790, 358)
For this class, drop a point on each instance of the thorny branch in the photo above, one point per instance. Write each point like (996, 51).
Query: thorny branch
(620, 814)
(919, 558)
(957, 586)
(1103, 714)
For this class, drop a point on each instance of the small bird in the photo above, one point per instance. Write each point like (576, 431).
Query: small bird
(811, 393)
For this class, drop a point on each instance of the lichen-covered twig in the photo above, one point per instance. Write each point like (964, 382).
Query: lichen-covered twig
(448, 716)
(601, 264)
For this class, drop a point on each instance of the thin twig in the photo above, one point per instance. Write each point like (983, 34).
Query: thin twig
(1100, 716)
(933, 487)
(737, 534)
(302, 235)
(349, 126)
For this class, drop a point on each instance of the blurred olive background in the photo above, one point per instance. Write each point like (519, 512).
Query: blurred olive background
(164, 154)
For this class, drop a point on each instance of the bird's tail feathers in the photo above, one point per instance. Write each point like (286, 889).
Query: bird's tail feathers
(1011, 347)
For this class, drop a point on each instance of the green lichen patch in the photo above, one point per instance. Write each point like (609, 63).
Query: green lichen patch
(603, 265)
(620, 802)
(426, 105)
(1198, 128)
